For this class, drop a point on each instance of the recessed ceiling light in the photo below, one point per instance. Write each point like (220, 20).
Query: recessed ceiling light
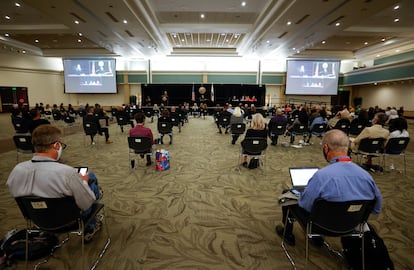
(323, 41)
(378, 55)
(243, 4)
(208, 40)
(337, 24)
(227, 40)
(6, 35)
(7, 17)
(23, 51)
(17, 4)
(223, 34)
(202, 16)
(125, 21)
(366, 43)
(236, 36)
(80, 34)
(79, 40)
(396, 20)
(76, 22)
(294, 48)
(36, 40)
(382, 39)
(267, 41)
(289, 23)
(397, 50)
(396, 7)
(182, 40)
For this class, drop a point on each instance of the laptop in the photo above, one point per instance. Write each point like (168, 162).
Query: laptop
(300, 176)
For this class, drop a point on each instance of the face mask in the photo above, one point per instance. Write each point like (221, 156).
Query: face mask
(59, 152)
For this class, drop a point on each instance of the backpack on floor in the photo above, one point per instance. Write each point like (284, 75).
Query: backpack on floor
(253, 163)
(41, 244)
(376, 253)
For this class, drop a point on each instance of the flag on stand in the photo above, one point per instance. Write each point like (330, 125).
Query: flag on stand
(193, 94)
(212, 93)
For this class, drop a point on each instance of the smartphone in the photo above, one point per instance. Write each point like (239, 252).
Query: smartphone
(296, 192)
(83, 170)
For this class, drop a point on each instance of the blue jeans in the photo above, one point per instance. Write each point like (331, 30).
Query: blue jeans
(93, 184)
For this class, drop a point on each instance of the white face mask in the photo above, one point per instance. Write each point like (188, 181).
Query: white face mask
(59, 151)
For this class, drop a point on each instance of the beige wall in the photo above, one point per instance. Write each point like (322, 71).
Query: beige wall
(393, 94)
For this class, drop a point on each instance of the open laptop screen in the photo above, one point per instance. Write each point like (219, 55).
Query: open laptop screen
(301, 176)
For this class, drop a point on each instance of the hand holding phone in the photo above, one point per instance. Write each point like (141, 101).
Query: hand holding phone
(83, 171)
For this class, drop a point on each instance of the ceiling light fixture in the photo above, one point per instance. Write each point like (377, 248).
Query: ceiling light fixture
(202, 16)
(337, 24)
(366, 43)
(125, 21)
(396, 20)
(289, 23)
(243, 4)
(396, 7)
(36, 41)
(76, 22)
(382, 39)
(17, 4)
(79, 40)
(7, 17)
(80, 34)
(6, 35)
(323, 41)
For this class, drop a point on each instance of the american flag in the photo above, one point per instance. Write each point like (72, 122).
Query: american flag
(193, 94)
(212, 93)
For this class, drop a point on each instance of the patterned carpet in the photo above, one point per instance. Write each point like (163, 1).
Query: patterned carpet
(202, 213)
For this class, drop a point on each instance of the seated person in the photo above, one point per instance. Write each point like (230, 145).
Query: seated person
(375, 131)
(321, 119)
(36, 120)
(174, 114)
(236, 118)
(165, 118)
(20, 122)
(91, 118)
(398, 128)
(257, 130)
(220, 116)
(100, 113)
(45, 176)
(140, 131)
(278, 120)
(340, 181)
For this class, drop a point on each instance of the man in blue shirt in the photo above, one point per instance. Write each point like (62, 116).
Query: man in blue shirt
(342, 180)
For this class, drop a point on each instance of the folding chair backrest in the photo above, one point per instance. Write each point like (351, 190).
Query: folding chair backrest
(90, 128)
(164, 127)
(368, 145)
(355, 128)
(23, 142)
(238, 128)
(299, 129)
(396, 145)
(344, 125)
(319, 128)
(339, 218)
(140, 144)
(278, 129)
(224, 121)
(254, 145)
(50, 214)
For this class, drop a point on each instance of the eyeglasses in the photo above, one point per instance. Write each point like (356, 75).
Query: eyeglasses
(63, 145)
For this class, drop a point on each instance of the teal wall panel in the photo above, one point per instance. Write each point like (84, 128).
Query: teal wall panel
(120, 78)
(177, 78)
(395, 58)
(389, 74)
(232, 78)
(273, 79)
(137, 78)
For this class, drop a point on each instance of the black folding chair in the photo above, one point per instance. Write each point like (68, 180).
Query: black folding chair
(60, 215)
(254, 147)
(23, 145)
(333, 219)
(396, 147)
(139, 146)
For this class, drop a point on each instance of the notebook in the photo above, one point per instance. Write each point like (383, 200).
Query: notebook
(301, 176)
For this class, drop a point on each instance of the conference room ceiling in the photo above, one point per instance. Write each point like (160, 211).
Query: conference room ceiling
(264, 29)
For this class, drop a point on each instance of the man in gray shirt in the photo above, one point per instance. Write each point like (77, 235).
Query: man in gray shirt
(44, 176)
